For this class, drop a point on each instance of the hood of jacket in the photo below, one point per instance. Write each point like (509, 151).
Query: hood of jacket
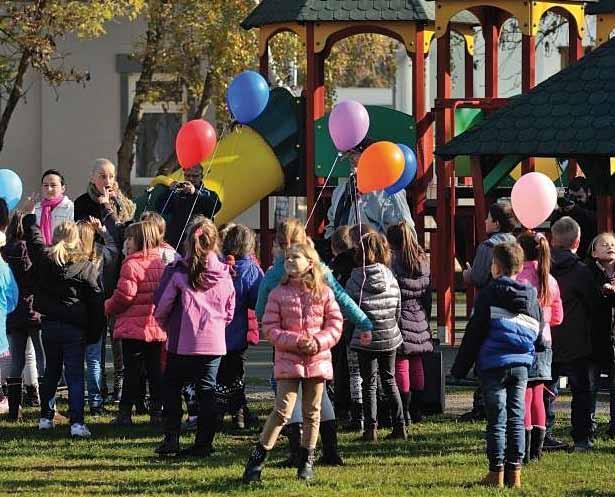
(513, 296)
(563, 262)
(378, 278)
(215, 272)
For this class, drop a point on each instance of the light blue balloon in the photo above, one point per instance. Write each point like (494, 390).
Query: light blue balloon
(409, 171)
(247, 96)
(11, 188)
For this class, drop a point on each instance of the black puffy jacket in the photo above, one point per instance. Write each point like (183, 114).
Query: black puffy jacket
(602, 322)
(572, 338)
(24, 317)
(68, 293)
(413, 320)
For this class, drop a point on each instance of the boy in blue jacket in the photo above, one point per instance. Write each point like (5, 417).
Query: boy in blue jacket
(500, 338)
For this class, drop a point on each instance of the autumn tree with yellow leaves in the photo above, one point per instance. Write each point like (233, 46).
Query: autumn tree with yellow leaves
(30, 36)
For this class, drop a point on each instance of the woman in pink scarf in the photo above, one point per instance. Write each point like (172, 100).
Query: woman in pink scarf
(55, 207)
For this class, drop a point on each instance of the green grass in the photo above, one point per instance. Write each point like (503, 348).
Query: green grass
(441, 458)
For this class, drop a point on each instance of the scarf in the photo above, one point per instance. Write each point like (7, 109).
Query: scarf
(123, 208)
(47, 205)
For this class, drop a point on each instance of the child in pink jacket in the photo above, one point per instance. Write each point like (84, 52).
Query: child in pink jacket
(535, 271)
(195, 303)
(303, 322)
(132, 303)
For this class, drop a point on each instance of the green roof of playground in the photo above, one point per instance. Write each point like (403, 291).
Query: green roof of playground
(571, 114)
(601, 7)
(277, 11)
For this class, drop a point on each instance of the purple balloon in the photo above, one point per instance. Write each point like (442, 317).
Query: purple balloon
(348, 124)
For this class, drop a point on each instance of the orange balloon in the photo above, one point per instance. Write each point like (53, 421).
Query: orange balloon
(380, 165)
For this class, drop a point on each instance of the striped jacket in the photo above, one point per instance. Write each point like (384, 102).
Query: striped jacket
(505, 328)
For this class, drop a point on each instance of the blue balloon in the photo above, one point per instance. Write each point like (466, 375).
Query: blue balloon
(10, 187)
(247, 96)
(409, 171)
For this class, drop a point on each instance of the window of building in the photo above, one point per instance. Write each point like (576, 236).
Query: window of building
(161, 120)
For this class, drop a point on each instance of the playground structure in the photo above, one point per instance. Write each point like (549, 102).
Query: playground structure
(322, 24)
(281, 144)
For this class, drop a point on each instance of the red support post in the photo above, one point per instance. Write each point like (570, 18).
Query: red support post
(528, 81)
(446, 200)
(424, 145)
(266, 238)
(575, 52)
(315, 108)
(469, 88)
(605, 212)
(480, 202)
(491, 33)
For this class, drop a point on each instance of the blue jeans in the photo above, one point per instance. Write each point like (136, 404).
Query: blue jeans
(504, 394)
(64, 346)
(202, 371)
(93, 358)
(581, 375)
(18, 341)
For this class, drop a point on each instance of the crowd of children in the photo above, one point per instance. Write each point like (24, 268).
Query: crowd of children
(360, 325)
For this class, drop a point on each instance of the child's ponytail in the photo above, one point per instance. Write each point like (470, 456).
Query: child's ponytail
(202, 238)
(536, 248)
(544, 268)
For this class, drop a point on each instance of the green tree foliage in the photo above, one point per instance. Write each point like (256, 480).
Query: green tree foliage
(200, 45)
(30, 36)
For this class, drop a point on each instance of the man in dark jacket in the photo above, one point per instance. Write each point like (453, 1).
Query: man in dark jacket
(572, 345)
(184, 202)
(577, 204)
(500, 339)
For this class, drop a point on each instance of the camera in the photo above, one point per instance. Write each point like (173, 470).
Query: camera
(566, 202)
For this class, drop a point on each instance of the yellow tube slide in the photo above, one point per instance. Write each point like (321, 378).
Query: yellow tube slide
(244, 170)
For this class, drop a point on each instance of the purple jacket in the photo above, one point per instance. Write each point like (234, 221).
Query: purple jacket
(195, 320)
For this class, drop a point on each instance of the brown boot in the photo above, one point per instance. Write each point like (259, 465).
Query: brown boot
(398, 433)
(370, 434)
(495, 477)
(513, 475)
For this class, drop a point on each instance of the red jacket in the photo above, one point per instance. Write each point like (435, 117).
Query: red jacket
(292, 313)
(133, 299)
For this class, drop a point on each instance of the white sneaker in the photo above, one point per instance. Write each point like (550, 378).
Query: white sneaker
(45, 424)
(79, 430)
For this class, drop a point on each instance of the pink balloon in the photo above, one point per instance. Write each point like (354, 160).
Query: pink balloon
(348, 124)
(533, 199)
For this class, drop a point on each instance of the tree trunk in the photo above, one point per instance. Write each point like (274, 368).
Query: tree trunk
(14, 97)
(125, 154)
(201, 107)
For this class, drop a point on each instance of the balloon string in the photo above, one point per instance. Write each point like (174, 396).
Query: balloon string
(213, 156)
(164, 208)
(201, 188)
(234, 148)
(355, 190)
(323, 188)
(196, 198)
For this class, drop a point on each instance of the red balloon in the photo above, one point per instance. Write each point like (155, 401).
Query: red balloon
(195, 142)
